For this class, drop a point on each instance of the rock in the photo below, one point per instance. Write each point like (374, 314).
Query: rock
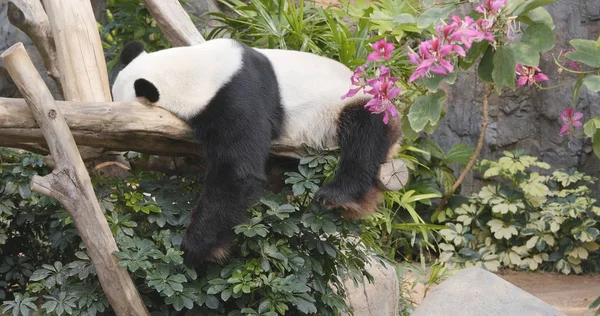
(379, 298)
(474, 291)
(528, 118)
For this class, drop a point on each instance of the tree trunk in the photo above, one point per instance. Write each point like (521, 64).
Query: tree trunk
(70, 184)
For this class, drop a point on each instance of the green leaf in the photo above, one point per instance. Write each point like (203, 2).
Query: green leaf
(595, 303)
(592, 82)
(404, 18)
(537, 38)
(426, 108)
(586, 52)
(407, 130)
(576, 90)
(504, 69)
(596, 143)
(592, 126)
(433, 15)
(537, 15)
(460, 153)
(532, 5)
(486, 65)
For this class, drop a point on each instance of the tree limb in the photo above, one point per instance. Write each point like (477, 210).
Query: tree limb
(70, 184)
(137, 127)
(83, 72)
(29, 16)
(475, 155)
(174, 22)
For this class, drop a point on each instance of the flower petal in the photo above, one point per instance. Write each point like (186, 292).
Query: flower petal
(564, 129)
(373, 56)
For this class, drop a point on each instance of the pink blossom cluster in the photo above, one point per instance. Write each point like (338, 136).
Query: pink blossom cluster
(382, 87)
(454, 39)
(529, 75)
(570, 118)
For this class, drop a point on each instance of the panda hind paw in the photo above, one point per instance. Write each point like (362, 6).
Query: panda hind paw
(352, 208)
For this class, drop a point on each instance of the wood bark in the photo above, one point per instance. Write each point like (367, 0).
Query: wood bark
(81, 63)
(138, 127)
(29, 16)
(174, 22)
(70, 184)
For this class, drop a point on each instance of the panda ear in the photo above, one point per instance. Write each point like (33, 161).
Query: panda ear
(146, 89)
(131, 51)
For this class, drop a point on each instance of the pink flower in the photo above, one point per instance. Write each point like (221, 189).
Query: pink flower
(381, 49)
(529, 75)
(490, 7)
(431, 59)
(383, 91)
(569, 118)
(358, 80)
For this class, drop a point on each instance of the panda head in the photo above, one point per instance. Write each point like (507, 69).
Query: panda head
(141, 87)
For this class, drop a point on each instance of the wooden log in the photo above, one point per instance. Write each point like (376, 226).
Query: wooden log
(70, 184)
(174, 22)
(81, 63)
(134, 126)
(29, 16)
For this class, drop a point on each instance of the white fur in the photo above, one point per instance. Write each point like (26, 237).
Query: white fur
(311, 88)
(187, 77)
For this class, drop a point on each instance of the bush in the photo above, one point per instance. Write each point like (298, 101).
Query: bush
(523, 220)
(289, 258)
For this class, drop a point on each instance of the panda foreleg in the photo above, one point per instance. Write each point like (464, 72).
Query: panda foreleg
(228, 192)
(365, 143)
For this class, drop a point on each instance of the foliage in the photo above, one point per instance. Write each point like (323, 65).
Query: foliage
(288, 259)
(595, 304)
(523, 219)
(128, 20)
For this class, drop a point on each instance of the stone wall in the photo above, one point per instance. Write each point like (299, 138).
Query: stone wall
(527, 118)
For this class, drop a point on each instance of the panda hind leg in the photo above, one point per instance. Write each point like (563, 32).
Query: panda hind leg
(365, 143)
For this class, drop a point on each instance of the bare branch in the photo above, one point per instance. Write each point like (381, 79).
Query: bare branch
(70, 184)
(174, 22)
(29, 16)
(134, 126)
(83, 72)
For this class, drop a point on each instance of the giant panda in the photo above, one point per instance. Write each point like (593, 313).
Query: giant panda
(238, 99)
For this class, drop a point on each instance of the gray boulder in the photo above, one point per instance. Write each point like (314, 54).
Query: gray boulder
(474, 292)
(379, 298)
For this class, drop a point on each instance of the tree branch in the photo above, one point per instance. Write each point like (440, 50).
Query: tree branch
(174, 22)
(83, 72)
(70, 184)
(29, 16)
(475, 155)
(137, 127)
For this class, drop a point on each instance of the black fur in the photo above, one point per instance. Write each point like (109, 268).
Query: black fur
(131, 51)
(145, 88)
(364, 143)
(235, 131)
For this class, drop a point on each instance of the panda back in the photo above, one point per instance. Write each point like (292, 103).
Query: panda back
(311, 87)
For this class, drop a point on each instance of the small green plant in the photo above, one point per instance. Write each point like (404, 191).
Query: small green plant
(523, 220)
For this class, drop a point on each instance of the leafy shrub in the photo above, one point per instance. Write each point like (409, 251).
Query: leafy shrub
(523, 220)
(289, 258)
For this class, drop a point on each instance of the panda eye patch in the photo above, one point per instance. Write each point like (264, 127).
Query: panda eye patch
(145, 88)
